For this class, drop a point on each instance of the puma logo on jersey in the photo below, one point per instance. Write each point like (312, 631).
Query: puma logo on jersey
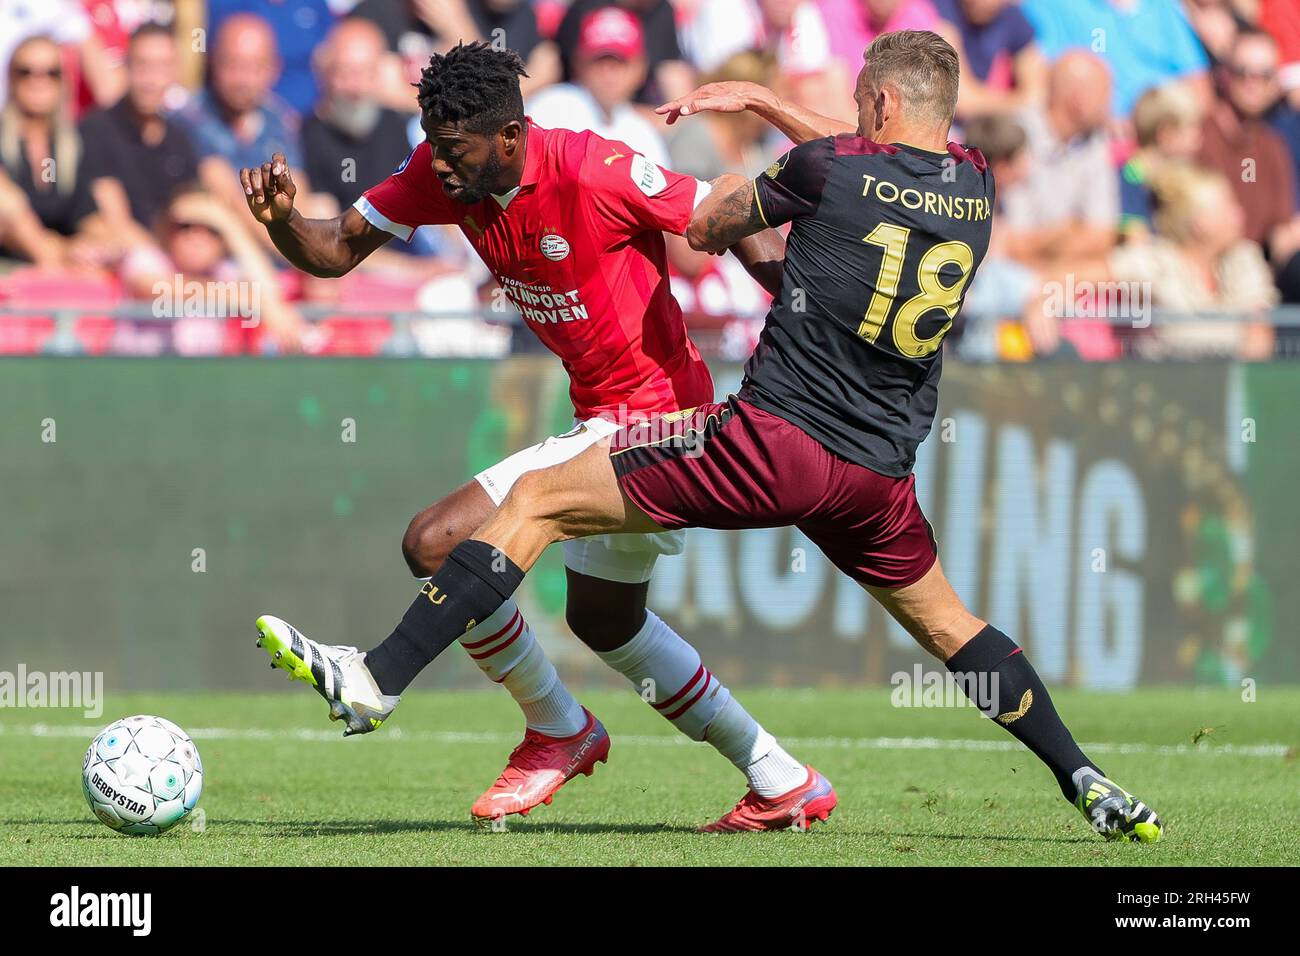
(469, 221)
(1011, 716)
(609, 160)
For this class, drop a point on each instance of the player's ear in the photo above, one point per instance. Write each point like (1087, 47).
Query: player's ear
(886, 106)
(512, 137)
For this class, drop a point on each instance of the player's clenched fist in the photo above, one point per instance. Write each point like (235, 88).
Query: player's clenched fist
(269, 190)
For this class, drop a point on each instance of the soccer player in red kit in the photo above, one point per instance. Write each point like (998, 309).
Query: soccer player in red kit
(571, 226)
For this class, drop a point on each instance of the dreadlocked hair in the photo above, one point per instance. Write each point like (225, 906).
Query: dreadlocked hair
(473, 84)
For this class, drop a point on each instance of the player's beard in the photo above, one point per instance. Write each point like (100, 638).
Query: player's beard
(487, 180)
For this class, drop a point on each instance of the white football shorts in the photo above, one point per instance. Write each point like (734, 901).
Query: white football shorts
(629, 558)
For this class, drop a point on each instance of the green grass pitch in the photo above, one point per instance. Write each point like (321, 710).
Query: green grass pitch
(916, 786)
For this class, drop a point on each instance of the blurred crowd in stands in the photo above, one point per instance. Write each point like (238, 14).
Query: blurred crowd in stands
(1146, 151)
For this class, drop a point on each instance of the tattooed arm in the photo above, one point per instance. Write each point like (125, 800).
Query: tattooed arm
(727, 215)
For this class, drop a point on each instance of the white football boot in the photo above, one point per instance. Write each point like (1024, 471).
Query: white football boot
(338, 673)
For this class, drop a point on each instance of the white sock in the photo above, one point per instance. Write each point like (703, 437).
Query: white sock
(503, 647)
(668, 674)
(770, 771)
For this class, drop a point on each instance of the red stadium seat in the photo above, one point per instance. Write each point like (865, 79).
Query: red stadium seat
(30, 287)
(376, 290)
(95, 333)
(25, 334)
(360, 335)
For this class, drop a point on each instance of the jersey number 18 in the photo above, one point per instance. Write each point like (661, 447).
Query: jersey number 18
(934, 293)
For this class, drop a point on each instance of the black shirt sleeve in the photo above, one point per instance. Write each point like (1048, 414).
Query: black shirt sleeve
(792, 186)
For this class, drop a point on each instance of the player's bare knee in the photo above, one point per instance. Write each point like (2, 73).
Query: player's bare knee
(427, 543)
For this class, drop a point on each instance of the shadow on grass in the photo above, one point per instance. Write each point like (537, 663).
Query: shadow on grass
(976, 837)
(351, 827)
(334, 828)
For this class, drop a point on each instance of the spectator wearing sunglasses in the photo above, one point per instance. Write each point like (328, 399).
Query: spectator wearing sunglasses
(45, 197)
(63, 21)
(1239, 143)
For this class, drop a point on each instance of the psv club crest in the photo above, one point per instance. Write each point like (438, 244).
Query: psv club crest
(553, 247)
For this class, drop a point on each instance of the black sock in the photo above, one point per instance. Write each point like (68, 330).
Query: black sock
(991, 665)
(474, 581)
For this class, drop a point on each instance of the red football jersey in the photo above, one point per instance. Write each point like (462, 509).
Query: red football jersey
(579, 250)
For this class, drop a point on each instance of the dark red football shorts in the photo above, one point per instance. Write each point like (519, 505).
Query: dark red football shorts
(733, 465)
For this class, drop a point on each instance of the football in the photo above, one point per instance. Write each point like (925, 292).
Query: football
(142, 775)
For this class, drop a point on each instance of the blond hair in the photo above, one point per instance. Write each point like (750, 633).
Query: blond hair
(1161, 107)
(1182, 191)
(922, 66)
(751, 66)
(65, 144)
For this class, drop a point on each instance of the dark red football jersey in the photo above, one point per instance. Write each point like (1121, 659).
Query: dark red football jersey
(579, 250)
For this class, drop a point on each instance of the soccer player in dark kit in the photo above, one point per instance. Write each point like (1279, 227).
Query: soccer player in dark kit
(888, 224)
(571, 226)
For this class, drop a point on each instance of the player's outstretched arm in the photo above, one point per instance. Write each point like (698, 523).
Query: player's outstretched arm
(327, 248)
(728, 214)
(796, 122)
